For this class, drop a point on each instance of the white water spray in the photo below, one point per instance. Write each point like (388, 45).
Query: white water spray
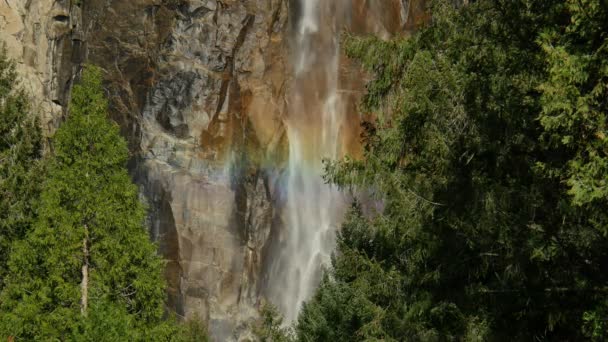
(313, 209)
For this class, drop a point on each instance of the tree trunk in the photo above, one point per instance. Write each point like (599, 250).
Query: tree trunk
(84, 286)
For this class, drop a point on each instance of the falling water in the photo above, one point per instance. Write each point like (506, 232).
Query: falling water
(312, 209)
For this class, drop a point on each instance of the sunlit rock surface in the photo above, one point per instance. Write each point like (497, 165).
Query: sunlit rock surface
(44, 38)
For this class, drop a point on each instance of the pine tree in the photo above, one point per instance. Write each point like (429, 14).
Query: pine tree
(87, 267)
(487, 152)
(575, 121)
(269, 327)
(20, 165)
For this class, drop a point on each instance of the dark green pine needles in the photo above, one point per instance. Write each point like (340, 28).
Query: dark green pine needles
(20, 166)
(87, 270)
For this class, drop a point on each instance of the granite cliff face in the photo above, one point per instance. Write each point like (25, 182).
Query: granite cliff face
(211, 128)
(45, 39)
(200, 90)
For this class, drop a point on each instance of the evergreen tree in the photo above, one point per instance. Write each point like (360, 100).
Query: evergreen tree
(20, 166)
(489, 157)
(269, 327)
(87, 270)
(574, 118)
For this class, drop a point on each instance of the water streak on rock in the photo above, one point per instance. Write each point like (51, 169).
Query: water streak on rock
(314, 123)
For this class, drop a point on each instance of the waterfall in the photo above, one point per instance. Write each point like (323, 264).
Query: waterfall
(312, 210)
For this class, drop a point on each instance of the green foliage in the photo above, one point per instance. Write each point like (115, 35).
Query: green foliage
(87, 200)
(595, 324)
(574, 99)
(269, 327)
(574, 118)
(20, 165)
(192, 330)
(110, 322)
(487, 151)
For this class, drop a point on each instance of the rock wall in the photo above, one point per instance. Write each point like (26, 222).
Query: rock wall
(210, 125)
(198, 88)
(44, 38)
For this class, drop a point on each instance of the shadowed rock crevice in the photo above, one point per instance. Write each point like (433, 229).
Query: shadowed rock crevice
(162, 229)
